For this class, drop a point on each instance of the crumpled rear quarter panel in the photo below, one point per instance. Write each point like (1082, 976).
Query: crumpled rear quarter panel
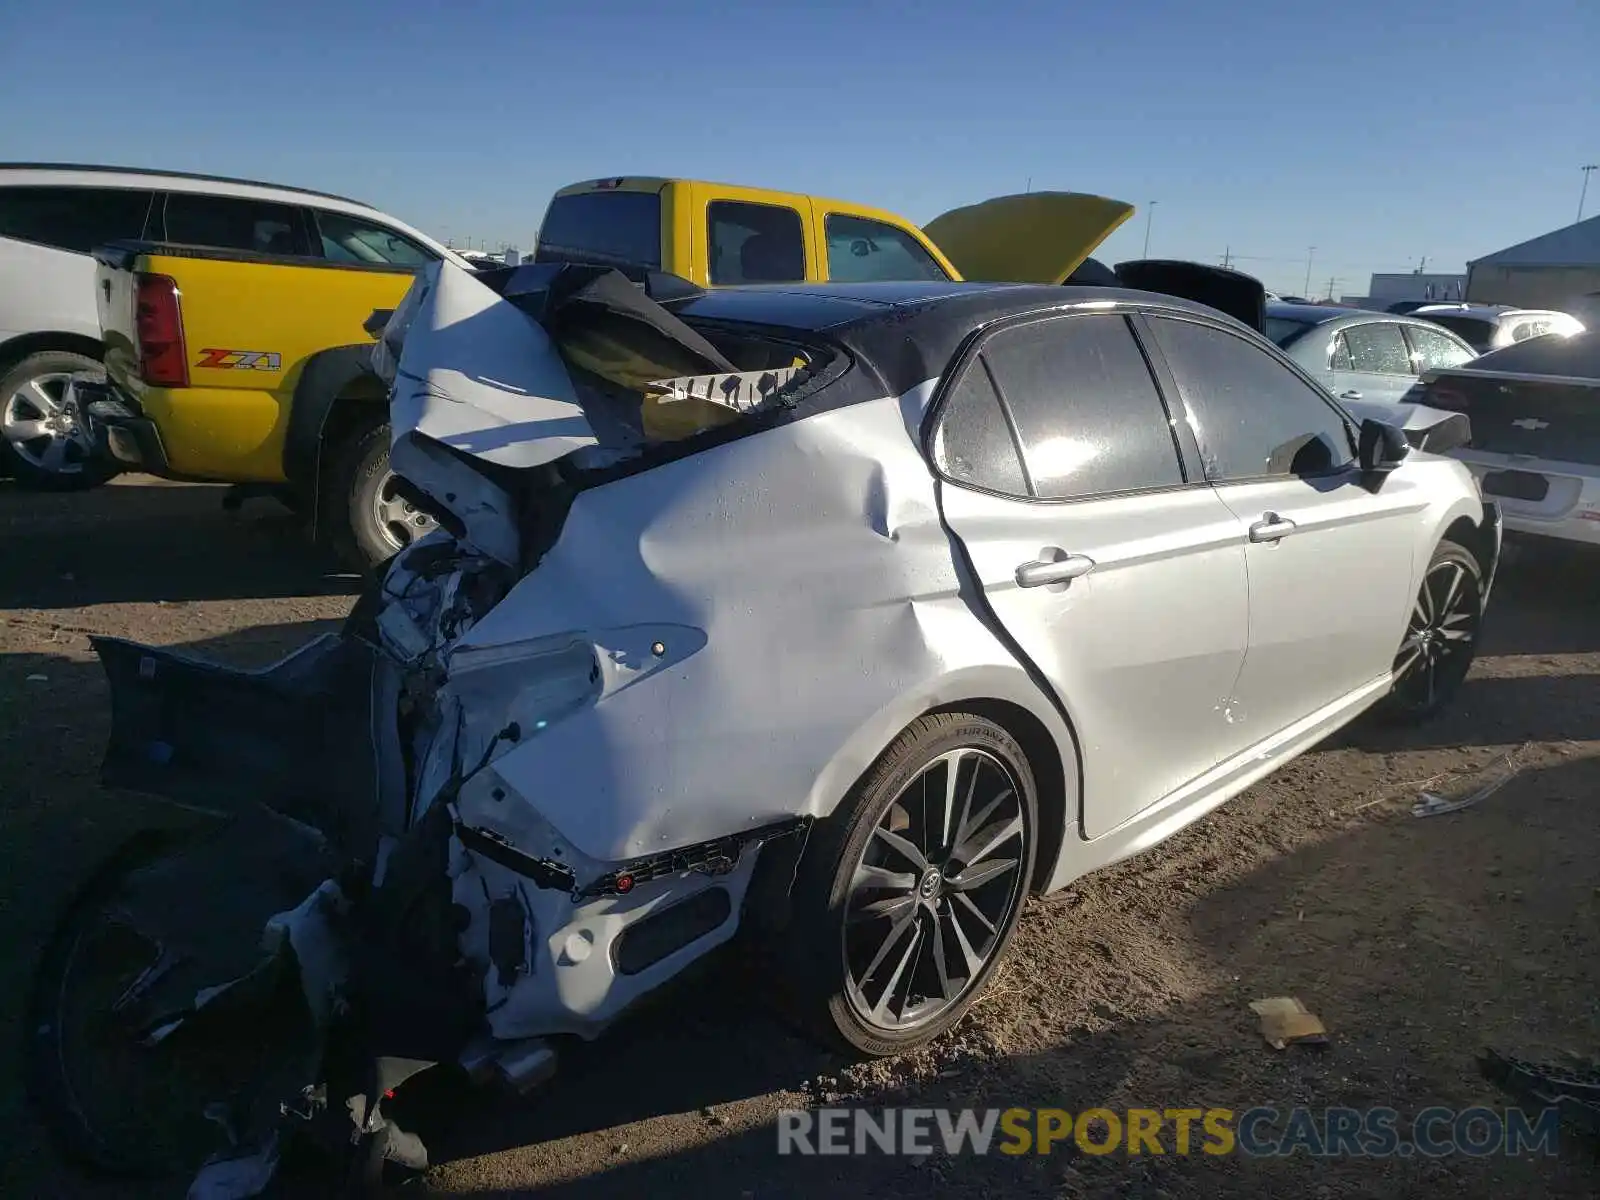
(812, 559)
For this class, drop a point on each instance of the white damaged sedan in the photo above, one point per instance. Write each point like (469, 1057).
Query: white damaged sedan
(843, 618)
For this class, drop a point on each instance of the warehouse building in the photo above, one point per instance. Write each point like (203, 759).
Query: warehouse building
(1560, 270)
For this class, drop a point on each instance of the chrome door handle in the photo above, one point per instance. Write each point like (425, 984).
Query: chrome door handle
(1271, 527)
(1042, 571)
(1352, 394)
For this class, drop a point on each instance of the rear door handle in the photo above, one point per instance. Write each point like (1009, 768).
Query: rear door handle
(1352, 394)
(1043, 570)
(1271, 527)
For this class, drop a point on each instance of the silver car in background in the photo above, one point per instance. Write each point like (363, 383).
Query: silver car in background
(1369, 358)
(841, 617)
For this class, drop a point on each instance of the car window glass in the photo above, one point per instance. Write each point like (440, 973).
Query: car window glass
(1378, 347)
(1527, 329)
(69, 218)
(613, 227)
(232, 223)
(1434, 351)
(1339, 360)
(1475, 331)
(351, 240)
(973, 443)
(1252, 415)
(1087, 410)
(862, 251)
(755, 243)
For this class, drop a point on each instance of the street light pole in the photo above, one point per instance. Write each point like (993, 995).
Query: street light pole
(1149, 216)
(1310, 250)
(1582, 195)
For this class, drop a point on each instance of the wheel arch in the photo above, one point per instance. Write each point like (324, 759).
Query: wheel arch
(1049, 762)
(336, 388)
(18, 348)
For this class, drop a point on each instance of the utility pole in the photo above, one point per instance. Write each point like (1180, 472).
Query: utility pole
(1149, 217)
(1305, 291)
(1332, 280)
(1584, 194)
(1227, 256)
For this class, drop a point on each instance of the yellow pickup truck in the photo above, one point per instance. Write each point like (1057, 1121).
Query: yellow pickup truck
(255, 368)
(716, 234)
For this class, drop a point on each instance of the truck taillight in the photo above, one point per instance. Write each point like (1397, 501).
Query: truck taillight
(158, 323)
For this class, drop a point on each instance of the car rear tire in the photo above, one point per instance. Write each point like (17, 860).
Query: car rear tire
(1441, 637)
(44, 444)
(368, 522)
(907, 897)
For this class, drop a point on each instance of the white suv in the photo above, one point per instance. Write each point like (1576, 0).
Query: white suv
(51, 218)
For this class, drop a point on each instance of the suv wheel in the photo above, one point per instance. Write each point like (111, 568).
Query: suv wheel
(371, 522)
(45, 445)
(908, 896)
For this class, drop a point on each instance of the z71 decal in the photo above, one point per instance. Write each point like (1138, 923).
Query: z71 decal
(241, 360)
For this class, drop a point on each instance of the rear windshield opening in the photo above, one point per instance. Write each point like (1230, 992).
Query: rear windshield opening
(1283, 331)
(1477, 332)
(611, 228)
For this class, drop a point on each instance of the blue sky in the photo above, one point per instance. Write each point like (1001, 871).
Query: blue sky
(1377, 130)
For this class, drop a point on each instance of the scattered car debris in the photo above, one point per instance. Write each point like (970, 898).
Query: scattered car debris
(1573, 1089)
(1469, 789)
(1284, 1020)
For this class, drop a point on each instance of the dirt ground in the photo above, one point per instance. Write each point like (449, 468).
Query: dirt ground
(1417, 941)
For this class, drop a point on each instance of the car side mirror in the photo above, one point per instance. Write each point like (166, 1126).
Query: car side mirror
(1381, 447)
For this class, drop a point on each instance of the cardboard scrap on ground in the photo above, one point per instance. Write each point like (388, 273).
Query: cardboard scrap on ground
(1284, 1019)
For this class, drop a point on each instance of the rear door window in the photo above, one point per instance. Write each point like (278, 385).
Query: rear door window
(236, 223)
(755, 243)
(973, 443)
(1435, 351)
(73, 218)
(1378, 348)
(347, 239)
(1253, 416)
(611, 228)
(1086, 408)
(861, 250)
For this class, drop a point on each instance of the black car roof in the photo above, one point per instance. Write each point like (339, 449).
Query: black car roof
(1310, 314)
(815, 307)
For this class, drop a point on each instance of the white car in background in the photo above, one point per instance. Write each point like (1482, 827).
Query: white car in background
(52, 216)
(1489, 327)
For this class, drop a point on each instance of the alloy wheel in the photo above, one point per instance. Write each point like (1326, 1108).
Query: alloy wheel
(401, 521)
(42, 422)
(934, 890)
(1439, 642)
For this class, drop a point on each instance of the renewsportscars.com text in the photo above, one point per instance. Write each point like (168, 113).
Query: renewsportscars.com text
(1256, 1132)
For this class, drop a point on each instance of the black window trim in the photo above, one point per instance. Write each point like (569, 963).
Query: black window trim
(925, 246)
(807, 266)
(969, 352)
(152, 194)
(1351, 425)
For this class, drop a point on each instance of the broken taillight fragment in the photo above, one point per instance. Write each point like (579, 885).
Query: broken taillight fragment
(158, 324)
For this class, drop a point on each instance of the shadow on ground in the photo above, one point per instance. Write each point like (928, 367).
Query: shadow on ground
(143, 541)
